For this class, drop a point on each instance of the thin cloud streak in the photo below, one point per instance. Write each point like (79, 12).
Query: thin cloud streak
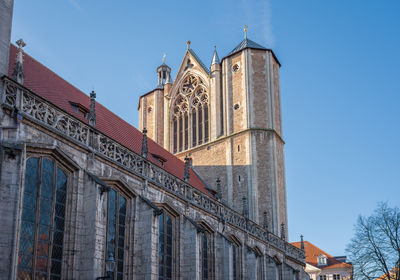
(258, 17)
(75, 5)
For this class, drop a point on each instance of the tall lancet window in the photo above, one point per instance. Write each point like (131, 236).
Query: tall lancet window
(186, 130)
(194, 128)
(205, 123)
(175, 124)
(180, 133)
(190, 104)
(42, 223)
(200, 128)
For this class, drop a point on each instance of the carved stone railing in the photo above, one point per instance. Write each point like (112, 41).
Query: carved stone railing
(19, 99)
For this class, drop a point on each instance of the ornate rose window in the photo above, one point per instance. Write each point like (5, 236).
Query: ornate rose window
(190, 115)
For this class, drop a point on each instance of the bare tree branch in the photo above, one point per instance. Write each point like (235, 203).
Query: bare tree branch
(375, 247)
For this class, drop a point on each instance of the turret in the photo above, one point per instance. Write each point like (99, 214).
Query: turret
(163, 74)
(216, 97)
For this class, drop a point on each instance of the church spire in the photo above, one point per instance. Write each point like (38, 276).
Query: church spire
(215, 59)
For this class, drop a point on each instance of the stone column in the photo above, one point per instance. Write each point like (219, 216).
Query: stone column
(11, 172)
(190, 251)
(145, 243)
(215, 102)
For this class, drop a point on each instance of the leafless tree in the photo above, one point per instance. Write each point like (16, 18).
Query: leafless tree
(375, 248)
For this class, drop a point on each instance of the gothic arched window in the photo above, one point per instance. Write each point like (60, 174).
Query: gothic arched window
(194, 128)
(180, 132)
(42, 223)
(175, 139)
(235, 258)
(205, 123)
(186, 130)
(200, 124)
(191, 109)
(165, 246)
(206, 252)
(116, 209)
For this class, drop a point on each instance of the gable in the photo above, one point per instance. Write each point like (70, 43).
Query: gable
(191, 63)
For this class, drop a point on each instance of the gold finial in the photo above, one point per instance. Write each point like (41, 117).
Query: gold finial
(188, 44)
(163, 57)
(245, 31)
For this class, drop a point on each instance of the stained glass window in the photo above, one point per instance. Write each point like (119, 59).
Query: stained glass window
(180, 133)
(235, 261)
(175, 135)
(194, 128)
(200, 124)
(205, 123)
(260, 269)
(42, 225)
(165, 254)
(190, 119)
(205, 255)
(186, 131)
(116, 231)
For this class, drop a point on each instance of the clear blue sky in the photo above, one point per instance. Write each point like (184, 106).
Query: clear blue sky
(340, 83)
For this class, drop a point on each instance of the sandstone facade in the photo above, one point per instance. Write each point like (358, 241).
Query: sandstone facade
(245, 145)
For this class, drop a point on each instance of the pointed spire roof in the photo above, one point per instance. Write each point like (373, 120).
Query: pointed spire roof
(215, 59)
(247, 43)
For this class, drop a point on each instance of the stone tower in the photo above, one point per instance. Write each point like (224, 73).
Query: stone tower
(227, 119)
(6, 11)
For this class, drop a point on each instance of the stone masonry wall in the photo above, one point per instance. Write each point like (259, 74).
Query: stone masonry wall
(84, 239)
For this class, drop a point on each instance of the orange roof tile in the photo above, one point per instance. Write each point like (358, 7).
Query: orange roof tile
(312, 253)
(392, 275)
(44, 82)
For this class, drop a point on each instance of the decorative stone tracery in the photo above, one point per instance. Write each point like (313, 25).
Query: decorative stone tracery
(190, 114)
(32, 107)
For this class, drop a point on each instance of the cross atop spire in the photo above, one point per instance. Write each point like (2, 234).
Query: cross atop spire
(163, 57)
(245, 31)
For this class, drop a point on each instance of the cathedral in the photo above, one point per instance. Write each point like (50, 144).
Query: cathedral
(197, 192)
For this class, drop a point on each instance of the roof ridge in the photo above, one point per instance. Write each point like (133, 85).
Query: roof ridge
(53, 72)
(70, 91)
(325, 253)
(246, 43)
(192, 52)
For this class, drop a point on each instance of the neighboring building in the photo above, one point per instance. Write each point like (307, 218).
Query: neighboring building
(393, 275)
(322, 266)
(84, 194)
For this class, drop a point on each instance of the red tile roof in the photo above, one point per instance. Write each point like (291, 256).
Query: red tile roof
(44, 82)
(392, 275)
(312, 253)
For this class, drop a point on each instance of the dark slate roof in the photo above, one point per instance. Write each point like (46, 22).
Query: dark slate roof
(249, 44)
(47, 84)
(199, 61)
(246, 43)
